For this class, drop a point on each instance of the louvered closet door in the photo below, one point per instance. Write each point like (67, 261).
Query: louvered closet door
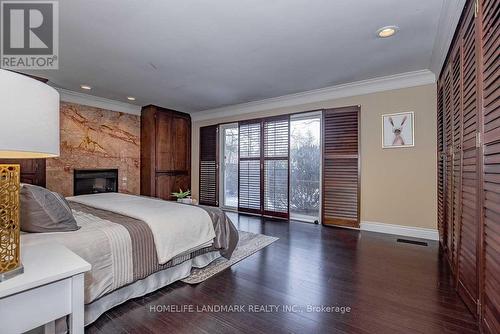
(457, 121)
(208, 165)
(448, 135)
(491, 117)
(441, 164)
(276, 155)
(467, 261)
(249, 169)
(341, 166)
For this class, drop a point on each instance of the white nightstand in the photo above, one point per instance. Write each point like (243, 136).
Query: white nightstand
(50, 288)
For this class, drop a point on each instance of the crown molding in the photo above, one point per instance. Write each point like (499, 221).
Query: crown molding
(448, 21)
(380, 84)
(98, 102)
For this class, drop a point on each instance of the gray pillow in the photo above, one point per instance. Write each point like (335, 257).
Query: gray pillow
(45, 211)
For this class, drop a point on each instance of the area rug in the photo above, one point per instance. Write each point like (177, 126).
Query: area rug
(248, 244)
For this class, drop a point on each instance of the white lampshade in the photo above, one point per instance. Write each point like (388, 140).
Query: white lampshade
(29, 117)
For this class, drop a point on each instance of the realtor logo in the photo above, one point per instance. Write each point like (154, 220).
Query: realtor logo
(29, 35)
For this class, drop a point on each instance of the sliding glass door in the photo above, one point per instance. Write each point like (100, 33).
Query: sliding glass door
(305, 166)
(272, 166)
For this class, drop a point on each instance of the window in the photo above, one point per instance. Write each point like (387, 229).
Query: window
(301, 166)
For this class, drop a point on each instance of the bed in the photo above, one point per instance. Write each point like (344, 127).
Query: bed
(138, 244)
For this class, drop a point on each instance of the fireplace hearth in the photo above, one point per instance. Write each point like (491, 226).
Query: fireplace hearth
(94, 181)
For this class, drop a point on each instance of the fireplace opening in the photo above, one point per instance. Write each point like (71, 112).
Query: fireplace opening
(94, 181)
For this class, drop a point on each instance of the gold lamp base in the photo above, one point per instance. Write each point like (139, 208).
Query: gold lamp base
(12, 273)
(10, 259)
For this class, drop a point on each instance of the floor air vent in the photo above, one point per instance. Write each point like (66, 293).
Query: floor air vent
(414, 242)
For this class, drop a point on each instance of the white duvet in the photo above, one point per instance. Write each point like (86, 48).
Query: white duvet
(176, 228)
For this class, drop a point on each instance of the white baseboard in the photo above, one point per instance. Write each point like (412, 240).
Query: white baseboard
(407, 231)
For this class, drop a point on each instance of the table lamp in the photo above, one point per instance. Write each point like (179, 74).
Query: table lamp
(29, 128)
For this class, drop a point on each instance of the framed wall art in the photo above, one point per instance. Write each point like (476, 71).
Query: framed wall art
(398, 130)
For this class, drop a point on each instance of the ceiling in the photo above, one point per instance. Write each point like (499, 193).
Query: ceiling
(199, 55)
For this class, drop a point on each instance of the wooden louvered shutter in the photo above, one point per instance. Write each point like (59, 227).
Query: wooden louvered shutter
(209, 165)
(441, 164)
(249, 167)
(457, 121)
(490, 37)
(276, 155)
(448, 164)
(341, 167)
(467, 261)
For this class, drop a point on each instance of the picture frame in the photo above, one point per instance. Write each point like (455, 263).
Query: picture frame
(398, 130)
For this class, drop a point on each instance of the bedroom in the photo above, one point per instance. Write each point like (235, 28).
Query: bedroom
(237, 167)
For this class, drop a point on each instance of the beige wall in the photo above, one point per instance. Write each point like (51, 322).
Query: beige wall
(398, 186)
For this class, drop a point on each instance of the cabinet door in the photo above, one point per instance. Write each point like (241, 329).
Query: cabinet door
(164, 144)
(181, 139)
(173, 141)
(167, 183)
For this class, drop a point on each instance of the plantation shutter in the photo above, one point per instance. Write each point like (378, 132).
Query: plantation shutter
(341, 166)
(208, 166)
(467, 256)
(276, 155)
(249, 168)
(491, 208)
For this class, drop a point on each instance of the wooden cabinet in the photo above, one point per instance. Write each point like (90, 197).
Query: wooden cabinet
(32, 170)
(181, 138)
(165, 152)
(167, 183)
(469, 161)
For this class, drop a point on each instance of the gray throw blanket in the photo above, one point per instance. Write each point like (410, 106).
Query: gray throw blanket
(226, 234)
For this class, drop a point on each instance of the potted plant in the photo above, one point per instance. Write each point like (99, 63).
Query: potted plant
(183, 196)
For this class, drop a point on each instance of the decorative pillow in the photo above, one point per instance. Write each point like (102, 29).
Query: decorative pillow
(45, 211)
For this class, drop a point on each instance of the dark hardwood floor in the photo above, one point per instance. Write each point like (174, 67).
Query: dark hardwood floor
(390, 287)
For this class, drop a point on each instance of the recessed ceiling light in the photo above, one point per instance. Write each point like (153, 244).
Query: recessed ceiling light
(86, 87)
(388, 31)
(130, 98)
